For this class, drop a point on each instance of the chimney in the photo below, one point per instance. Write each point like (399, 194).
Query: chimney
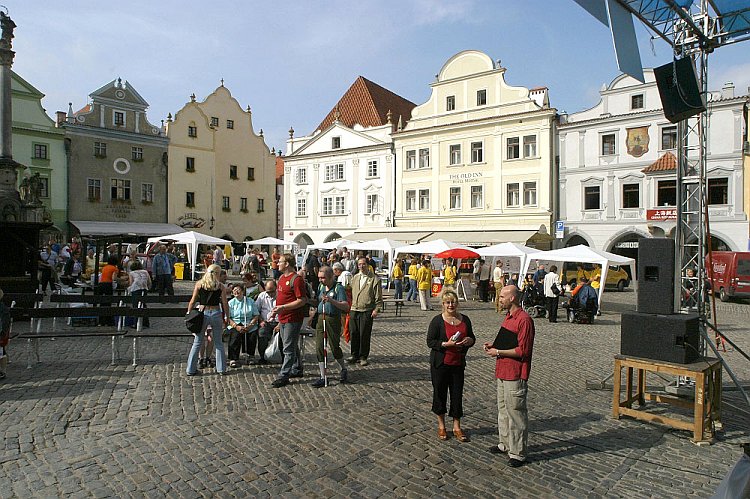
(60, 116)
(727, 91)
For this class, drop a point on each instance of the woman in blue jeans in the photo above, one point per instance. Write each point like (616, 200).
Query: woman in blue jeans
(211, 296)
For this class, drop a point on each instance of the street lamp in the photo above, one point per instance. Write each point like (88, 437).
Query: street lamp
(211, 223)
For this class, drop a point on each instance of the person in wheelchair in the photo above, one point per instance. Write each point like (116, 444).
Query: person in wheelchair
(583, 303)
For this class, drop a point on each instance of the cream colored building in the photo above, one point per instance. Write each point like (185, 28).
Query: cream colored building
(475, 163)
(222, 176)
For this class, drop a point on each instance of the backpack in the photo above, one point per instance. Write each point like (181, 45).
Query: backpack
(310, 297)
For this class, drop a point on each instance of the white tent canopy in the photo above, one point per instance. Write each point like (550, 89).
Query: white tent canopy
(430, 247)
(269, 241)
(386, 245)
(191, 239)
(524, 253)
(330, 245)
(584, 254)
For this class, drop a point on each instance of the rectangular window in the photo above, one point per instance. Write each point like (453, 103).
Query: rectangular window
(100, 149)
(668, 137)
(372, 168)
(455, 198)
(230, 124)
(481, 97)
(631, 195)
(636, 101)
(334, 172)
(43, 187)
(192, 131)
(95, 189)
(225, 203)
(513, 148)
(424, 199)
(40, 151)
(411, 200)
(450, 103)
(243, 204)
(424, 158)
(190, 164)
(339, 206)
(514, 195)
(261, 205)
(529, 193)
(190, 199)
(147, 193)
(119, 118)
(455, 154)
(718, 191)
(529, 146)
(301, 176)
(411, 160)
(328, 206)
(302, 207)
(477, 152)
(477, 196)
(250, 173)
(666, 193)
(335, 142)
(609, 144)
(136, 153)
(333, 205)
(592, 197)
(120, 189)
(233, 172)
(371, 205)
(214, 121)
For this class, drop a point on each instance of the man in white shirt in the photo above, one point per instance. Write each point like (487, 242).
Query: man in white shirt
(552, 280)
(266, 302)
(498, 278)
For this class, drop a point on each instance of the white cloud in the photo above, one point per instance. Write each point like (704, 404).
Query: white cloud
(428, 12)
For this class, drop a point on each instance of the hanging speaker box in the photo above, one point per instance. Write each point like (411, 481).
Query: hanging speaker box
(679, 90)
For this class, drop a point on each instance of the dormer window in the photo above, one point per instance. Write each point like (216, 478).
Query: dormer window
(119, 118)
(214, 121)
(481, 97)
(450, 103)
(192, 131)
(335, 142)
(636, 101)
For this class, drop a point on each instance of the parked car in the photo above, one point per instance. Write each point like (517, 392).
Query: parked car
(729, 274)
(616, 276)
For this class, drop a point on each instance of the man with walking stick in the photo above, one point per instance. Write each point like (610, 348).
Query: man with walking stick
(331, 304)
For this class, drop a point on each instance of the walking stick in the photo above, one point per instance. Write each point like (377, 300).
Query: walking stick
(325, 348)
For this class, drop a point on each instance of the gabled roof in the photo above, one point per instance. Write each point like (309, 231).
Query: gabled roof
(106, 90)
(666, 163)
(368, 103)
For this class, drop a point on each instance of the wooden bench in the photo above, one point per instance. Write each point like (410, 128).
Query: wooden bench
(397, 302)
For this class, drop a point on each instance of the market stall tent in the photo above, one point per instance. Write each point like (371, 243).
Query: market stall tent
(192, 240)
(385, 245)
(524, 253)
(583, 254)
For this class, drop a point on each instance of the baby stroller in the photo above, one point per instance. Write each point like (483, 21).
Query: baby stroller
(532, 301)
(581, 314)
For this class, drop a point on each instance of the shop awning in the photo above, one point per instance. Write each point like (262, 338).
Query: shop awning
(482, 237)
(406, 236)
(136, 229)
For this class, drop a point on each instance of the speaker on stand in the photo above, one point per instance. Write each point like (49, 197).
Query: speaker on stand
(656, 275)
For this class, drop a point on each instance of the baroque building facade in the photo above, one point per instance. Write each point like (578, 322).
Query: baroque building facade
(39, 145)
(618, 169)
(475, 163)
(222, 176)
(117, 164)
(339, 181)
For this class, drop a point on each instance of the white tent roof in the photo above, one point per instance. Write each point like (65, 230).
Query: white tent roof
(384, 244)
(506, 249)
(431, 247)
(191, 239)
(333, 244)
(584, 254)
(269, 241)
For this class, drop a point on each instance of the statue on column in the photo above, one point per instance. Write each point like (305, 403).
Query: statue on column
(24, 190)
(7, 25)
(34, 189)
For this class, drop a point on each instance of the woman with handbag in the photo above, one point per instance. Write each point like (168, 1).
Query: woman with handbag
(212, 298)
(243, 322)
(449, 336)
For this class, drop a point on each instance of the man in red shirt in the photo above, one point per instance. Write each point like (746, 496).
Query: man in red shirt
(291, 305)
(512, 369)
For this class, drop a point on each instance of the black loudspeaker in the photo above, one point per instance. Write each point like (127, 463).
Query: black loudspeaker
(671, 338)
(679, 91)
(656, 275)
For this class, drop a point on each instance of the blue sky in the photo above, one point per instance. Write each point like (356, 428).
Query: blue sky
(292, 60)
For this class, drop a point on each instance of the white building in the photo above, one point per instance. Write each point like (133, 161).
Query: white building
(340, 179)
(618, 169)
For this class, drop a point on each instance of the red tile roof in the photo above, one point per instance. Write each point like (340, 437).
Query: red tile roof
(666, 163)
(368, 103)
(279, 170)
(84, 110)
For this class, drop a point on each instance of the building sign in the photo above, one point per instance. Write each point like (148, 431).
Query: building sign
(627, 245)
(637, 141)
(662, 214)
(123, 211)
(465, 178)
(191, 221)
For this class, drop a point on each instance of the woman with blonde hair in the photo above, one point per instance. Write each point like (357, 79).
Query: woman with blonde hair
(211, 297)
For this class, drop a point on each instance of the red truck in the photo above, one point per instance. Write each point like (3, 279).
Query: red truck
(729, 274)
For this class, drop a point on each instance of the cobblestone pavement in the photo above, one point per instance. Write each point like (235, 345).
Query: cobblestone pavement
(77, 426)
